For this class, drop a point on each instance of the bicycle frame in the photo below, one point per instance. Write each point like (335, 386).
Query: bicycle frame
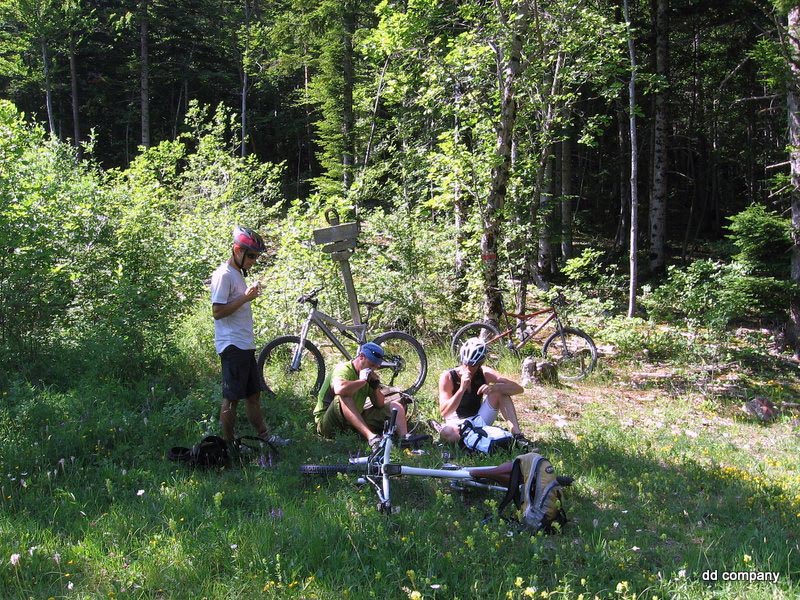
(321, 320)
(525, 320)
(381, 470)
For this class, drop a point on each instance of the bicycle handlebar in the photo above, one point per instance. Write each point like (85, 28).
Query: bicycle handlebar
(312, 295)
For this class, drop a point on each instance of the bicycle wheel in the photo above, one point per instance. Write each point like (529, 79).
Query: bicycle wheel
(497, 349)
(358, 469)
(274, 364)
(573, 352)
(405, 359)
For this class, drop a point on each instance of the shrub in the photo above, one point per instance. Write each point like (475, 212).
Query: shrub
(763, 240)
(711, 294)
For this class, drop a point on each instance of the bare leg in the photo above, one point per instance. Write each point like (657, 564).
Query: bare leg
(506, 407)
(402, 425)
(253, 408)
(448, 433)
(354, 417)
(227, 418)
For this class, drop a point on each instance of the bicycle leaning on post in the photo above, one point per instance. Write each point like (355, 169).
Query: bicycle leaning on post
(572, 350)
(294, 364)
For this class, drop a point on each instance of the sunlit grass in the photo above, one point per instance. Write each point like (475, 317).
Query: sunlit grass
(668, 486)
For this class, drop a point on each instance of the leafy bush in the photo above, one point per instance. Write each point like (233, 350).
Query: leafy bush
(763, 240)
(711, 294)
(635, 338)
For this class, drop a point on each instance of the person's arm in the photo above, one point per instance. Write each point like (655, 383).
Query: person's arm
(450, 399)
(497, 383)
(220, 311)
(345, 387)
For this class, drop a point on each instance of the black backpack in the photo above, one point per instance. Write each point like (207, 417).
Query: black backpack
(211, 451)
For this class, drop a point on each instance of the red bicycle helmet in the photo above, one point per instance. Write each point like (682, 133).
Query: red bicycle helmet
(248, 239)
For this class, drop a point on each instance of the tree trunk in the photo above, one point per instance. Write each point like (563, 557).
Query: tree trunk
(658, 192)
(793, 103)
(634, 171)
(48, 88)
(73, 76)
(348, 119)
(144, 87)
(545, 259)
(501, 172)
(566, 198)
(245, 82)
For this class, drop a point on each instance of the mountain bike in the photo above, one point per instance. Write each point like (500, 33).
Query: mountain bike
(295, 365)
(571, 349)
(378, 470)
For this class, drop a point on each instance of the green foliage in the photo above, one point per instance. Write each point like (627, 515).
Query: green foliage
(710, 294)
(637, 339)
(102, 266)
(763, 241)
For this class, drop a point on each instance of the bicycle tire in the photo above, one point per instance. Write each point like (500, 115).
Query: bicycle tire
(411, 358)
(348, 468)
(274, 363)
(570, 353)
(497, 349)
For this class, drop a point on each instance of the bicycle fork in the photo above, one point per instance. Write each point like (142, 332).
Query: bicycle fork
(298, 352)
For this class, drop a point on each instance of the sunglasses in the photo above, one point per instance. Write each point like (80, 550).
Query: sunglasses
(252, 255)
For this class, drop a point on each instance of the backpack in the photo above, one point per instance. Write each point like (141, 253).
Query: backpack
(537, 493)
(211, 451)
(484, 438)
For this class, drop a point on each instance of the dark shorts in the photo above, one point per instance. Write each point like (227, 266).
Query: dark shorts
(239, 373)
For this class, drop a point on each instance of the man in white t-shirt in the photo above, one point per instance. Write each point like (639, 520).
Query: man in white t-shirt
(233, 334)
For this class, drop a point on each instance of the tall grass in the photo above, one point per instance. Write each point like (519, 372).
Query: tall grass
(665, 489)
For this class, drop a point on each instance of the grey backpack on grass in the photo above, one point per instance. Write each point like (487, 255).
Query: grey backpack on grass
(537, 492)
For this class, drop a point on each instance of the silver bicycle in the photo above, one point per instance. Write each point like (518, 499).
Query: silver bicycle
(294, 365)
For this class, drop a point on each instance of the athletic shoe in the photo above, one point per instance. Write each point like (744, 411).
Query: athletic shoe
(277, 441)
(413, 441)
(524, 443)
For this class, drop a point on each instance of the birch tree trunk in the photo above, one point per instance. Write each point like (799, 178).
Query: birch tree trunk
(566, 198)
(793, 105)
(73, 76)
(348, 120)
(634, 170)
(48, 87)
(501, 172)
(144, 86)
(659, 191)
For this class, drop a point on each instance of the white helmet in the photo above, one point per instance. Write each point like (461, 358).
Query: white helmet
(473, 352)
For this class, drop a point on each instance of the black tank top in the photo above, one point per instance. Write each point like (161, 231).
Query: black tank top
(471, 401)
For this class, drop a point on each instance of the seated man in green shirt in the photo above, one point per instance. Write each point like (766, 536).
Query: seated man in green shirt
(341, 401)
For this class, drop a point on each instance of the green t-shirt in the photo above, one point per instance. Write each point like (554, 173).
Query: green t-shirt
(347, 372)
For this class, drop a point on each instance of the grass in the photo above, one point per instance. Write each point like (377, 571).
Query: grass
(671, 482)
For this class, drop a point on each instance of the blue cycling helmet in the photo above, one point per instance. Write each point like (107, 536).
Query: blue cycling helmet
(473, 352)
(372, 352)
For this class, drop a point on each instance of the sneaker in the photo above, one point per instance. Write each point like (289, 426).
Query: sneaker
(435, 425)
(413, 441)
(277, 441)
(523, 442)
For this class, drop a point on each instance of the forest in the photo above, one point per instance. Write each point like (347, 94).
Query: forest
(642, 158)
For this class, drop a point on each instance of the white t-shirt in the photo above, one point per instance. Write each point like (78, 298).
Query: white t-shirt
(228, 284)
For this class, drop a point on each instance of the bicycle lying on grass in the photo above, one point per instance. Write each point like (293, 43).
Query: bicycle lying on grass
(294, 364)
(378, 470)
(572, 350)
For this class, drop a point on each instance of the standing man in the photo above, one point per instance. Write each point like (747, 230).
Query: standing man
(341, 404)
(473, 391)
(233, 334)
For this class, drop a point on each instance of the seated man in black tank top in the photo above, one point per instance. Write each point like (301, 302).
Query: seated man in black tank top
(476, 392)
